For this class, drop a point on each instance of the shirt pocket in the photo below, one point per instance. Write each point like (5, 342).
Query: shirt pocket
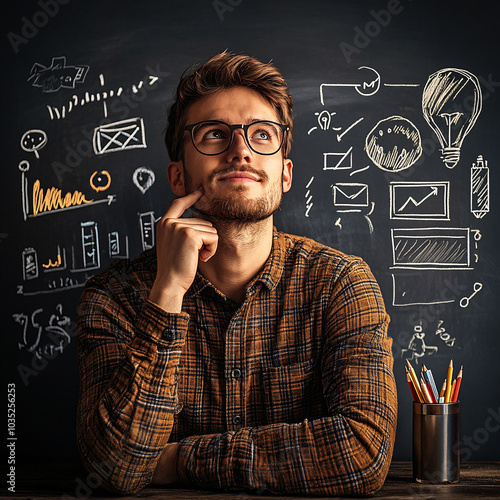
(288, 392)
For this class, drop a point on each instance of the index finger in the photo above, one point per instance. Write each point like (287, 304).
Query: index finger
(180, 205)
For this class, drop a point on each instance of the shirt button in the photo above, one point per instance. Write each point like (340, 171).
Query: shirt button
(236, 373)
(236, 420)
(168, 333)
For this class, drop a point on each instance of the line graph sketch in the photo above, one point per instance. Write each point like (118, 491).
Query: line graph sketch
(419, 200)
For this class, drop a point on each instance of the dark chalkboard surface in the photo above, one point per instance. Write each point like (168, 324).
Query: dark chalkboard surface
(85, 90)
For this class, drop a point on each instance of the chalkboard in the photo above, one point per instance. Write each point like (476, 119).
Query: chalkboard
(85, 90)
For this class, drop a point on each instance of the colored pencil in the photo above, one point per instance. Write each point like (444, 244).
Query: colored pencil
(414, 380)
(449, 382)
(443, 390)
(425, 391)
(430, 380)
(413, 393)
(457, 386)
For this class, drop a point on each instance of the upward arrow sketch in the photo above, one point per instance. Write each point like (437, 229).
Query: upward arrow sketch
(434, 192)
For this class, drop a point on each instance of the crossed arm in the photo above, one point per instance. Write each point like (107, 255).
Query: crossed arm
(128, 401)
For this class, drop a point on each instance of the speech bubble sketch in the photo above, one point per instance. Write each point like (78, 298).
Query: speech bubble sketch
(394, 144)
(143, 178)
(33, 140)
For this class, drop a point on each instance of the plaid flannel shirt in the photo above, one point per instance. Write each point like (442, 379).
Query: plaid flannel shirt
(291, 391)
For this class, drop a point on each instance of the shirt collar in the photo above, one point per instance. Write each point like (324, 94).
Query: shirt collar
(269, 276)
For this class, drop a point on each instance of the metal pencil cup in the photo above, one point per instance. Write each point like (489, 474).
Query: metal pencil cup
(436, 442)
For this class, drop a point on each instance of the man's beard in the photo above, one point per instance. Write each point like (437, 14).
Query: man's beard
(233, 208)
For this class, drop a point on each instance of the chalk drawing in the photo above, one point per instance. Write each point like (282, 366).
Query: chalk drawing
(338, 161)
(119, 136)
(350, 127)
(143, 178)
(350, 194)
(394, 144)
(324, 122)
(480, 188)
(58, 75)
(444, 335)
(33, 140)
(417, 346)
(308, 197)
(431, 248)
(56, 329)
(59, 263)
(419, 200)
(78, 101)
(114, 246)
(90, 245)
(464, 302)
(100, 181)
(30, 264)
(369, 85)
(443, 108)
(147, 227)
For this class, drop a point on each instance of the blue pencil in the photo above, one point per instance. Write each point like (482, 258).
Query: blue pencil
(430, 379)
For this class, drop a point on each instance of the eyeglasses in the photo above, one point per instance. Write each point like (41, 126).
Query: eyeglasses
(215, 137)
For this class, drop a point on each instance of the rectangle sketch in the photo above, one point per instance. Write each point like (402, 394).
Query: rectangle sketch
(90, 245)
(350, 194)
(431, 248)
(147, 225)
(480, 188)
(119, 136)
(338, 161)
(418, 290)
(419, 200)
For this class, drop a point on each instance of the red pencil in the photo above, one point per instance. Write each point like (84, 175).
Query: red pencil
(413, 393)
(454, 399)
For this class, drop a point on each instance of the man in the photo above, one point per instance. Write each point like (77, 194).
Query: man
(234, 356)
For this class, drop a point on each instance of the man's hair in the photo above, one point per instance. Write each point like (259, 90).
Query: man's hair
(224, 71)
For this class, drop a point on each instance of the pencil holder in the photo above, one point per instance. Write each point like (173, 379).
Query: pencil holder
(436, 442)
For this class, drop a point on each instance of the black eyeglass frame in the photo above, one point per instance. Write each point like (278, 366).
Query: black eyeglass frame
(232, 128)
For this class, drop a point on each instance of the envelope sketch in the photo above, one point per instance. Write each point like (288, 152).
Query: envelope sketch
(350, 194)
(337, 161)
(119, 136)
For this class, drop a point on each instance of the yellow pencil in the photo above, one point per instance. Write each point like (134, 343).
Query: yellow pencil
(416, 385)
(449, 382)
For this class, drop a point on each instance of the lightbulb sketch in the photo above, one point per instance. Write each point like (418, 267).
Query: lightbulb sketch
(324, 121)
(394, 144)
(451, 103)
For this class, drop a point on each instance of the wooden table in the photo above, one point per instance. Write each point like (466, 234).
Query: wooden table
(478, 480)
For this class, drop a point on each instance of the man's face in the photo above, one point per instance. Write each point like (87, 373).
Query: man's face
(239, 184)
